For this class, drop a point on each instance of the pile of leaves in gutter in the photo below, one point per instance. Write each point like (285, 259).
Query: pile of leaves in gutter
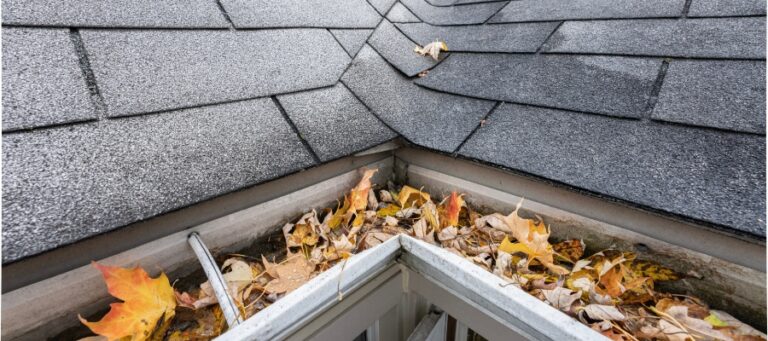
(610, 291)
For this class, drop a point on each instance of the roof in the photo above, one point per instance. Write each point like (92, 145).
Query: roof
(116, 111)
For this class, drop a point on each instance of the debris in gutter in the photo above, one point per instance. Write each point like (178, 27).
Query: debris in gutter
(611, 291)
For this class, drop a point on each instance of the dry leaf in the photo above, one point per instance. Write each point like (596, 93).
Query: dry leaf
(388, 211)
(533, 236)
(410, 196)
(572, 249)
(146, 301)
(561, 298)
(451, 210)
(658, 272)
(604, 312)
(432, 49)
(358, 197)
(289, 275)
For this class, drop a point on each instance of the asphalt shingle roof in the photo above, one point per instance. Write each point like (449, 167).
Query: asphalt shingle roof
(117, 111)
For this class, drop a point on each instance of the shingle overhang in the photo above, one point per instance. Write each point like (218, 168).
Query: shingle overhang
(117, 111)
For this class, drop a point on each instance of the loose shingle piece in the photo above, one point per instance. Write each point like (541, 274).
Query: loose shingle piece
(42, 80)
(548, 10)
(334, 122)
(615, 86)
(301, 13)
(397, 49)
(724, 8)
(721, 94)
(90, 178)
(454, 15)
(525, 37)
(351, 40)
(431, 119)
(147, 71)
(704, 174)
(708, 38)
(114, 13)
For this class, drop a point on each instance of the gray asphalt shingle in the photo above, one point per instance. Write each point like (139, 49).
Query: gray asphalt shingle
(91, 178)
(397, 49)
(42, 80)
(723, 8)
(717, 177)
(399, 13)
(454, 15)
(617, 86)
(114, 13)
(382, 6)
(722, 94)
(431, 119)
(301, 13)
(444, 3)
(525, 37)
(334, 122)
(548, 10)
(351, 40)
(146, 71)
(712, 38)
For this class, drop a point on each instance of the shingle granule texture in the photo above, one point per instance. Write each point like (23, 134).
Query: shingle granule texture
(716, 177)
(334, 122)
(526, 37)
(445, 3)
(724, 8)
(456, 15)
(351, 40)
(707, 38)
(88, 179)
(615, 86)
(301, 13)
(382, 6)
(399, 13)
(397, 49)
(114, 13)
(147, 71)
(721, 94)
(42, 80)
(431, 119)
(549, 10)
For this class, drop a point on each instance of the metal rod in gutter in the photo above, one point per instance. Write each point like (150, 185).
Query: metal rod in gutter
(216, 279)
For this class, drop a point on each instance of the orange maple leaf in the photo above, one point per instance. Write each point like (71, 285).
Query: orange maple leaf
(358, 197)
(452, 209)
(145, 302)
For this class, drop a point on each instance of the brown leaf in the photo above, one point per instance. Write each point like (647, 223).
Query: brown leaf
(572, 249)
(291, 274)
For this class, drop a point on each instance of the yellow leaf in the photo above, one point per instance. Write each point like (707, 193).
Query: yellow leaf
(359, 219)
(388, 211)
(511, 248)
(410, 196)
(571, 249)
(646, 268)
(715, 321)
(430, 213)
(145, 302)
(358, 197)
(337, 216)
